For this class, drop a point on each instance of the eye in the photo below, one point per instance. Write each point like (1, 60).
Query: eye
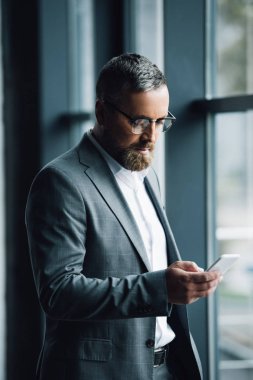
(142, 123)
(160, 122)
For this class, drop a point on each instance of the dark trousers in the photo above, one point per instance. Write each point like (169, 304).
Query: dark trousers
(162, 373)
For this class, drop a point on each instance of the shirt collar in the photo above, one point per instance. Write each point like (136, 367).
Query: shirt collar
(132, 177)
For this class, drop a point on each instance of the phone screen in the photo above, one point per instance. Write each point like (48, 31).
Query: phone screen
(223, 263)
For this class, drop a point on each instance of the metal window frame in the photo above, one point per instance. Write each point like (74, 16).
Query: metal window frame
(240, 103)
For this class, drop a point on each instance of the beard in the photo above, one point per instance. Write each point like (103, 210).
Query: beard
(133, 160)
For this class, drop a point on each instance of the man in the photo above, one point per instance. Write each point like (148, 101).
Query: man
(107, 270)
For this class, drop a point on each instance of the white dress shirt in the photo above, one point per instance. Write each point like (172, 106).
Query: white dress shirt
(132, 186)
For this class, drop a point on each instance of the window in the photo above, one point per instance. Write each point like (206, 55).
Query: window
(234, 234)
(230, 77)
(170, 30)
(234, 46)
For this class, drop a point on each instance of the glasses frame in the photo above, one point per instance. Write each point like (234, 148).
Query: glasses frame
(133, 120)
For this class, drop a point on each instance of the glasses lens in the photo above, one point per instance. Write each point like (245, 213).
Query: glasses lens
(139, 126)
(167, 124)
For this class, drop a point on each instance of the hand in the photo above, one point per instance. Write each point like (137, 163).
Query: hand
(186, 282)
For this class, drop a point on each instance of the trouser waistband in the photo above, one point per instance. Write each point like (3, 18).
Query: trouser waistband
(160, 355)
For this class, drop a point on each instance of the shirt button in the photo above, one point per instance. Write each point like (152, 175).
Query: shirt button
(150, 343)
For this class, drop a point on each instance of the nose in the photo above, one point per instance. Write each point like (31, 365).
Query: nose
(151, 132)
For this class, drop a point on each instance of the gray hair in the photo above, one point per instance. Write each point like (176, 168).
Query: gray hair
(128, 72)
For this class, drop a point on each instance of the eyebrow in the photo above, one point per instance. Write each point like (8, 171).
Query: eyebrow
(147, 117)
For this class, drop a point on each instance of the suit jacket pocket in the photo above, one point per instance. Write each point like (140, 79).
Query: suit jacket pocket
(96, 349)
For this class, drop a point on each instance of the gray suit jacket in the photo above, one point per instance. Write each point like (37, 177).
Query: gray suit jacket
(93, 277)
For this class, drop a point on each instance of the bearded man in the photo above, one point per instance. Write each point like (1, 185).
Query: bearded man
(107, 270)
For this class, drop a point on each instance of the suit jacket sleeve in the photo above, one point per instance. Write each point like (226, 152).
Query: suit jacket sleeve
(57, 230)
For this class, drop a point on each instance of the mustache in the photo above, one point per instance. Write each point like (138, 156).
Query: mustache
(143, 145)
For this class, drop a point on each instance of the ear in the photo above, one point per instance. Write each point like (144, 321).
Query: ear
(99, 111)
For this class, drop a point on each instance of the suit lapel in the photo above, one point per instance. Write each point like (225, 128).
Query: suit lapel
(99, 173)
(153, 191)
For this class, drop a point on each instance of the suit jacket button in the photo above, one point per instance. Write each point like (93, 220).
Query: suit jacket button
(150, 343)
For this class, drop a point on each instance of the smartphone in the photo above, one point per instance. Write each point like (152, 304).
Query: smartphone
(223, 263)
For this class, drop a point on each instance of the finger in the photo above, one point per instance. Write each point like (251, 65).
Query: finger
(204, 293)
(191, 297)
(203, 287)
(201, 277)
(188, 266)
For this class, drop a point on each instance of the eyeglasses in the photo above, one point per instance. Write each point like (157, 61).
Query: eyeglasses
(140, 124)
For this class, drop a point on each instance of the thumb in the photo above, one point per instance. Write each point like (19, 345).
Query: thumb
(188, 266)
